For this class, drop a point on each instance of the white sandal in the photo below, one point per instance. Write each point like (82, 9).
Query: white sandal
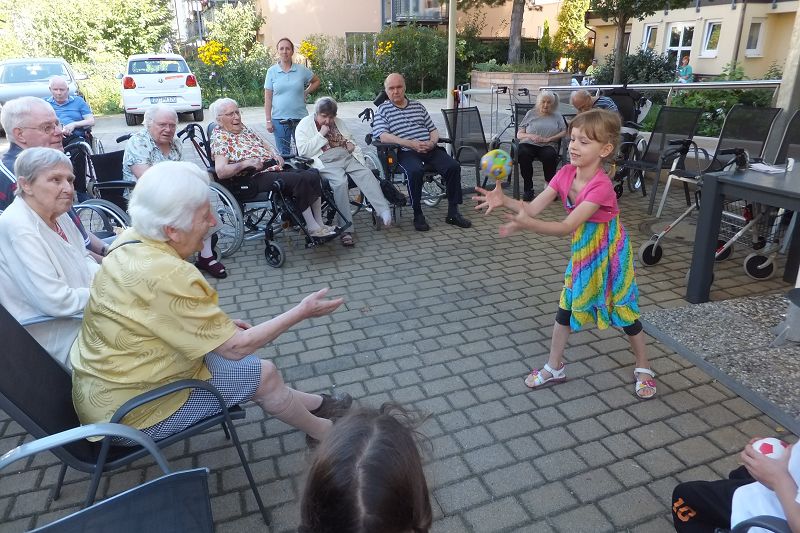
(647, 383)
(535, 379)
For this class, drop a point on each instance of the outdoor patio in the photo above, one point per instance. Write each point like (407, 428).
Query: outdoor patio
(448, 322)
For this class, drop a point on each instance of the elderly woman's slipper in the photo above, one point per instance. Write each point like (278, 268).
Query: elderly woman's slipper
(212, 266)
(347, 240)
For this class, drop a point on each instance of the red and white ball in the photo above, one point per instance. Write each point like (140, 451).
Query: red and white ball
(771, 447)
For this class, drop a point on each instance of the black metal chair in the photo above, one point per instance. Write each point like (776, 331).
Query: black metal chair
(790, 143)
(745, 129)
(173, 503)
(465, 131)
(770, 523)
(36, 392)
(672, 124)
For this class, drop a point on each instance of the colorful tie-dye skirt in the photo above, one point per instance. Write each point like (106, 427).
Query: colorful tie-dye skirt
(599, 284)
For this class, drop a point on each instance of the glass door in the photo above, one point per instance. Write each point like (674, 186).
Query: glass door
(679, 42)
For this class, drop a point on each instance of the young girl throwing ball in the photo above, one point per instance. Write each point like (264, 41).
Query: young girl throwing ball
(599, 284)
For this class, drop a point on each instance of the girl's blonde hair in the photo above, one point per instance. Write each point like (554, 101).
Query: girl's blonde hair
(600, 126)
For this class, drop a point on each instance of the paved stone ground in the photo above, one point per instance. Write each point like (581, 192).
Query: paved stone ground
(448, 322)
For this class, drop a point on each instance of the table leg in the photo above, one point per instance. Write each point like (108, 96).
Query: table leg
(705, 242)
(790, 273)
(515, 178)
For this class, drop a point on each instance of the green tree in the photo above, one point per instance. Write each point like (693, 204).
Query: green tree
(620, 12)
(236, 25)
(515, 29)
(79, 31)
(571, 34)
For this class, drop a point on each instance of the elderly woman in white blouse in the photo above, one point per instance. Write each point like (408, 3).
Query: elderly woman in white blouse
(45, 270)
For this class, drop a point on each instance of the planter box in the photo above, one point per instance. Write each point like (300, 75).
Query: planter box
(516, 80)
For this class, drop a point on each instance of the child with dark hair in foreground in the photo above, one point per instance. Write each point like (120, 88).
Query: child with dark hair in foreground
(367, 477)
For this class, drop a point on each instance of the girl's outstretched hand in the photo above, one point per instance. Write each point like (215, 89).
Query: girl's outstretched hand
(489, 199)
(515, 223)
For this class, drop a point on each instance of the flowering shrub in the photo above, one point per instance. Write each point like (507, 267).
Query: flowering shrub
(384, 48)
(213, 53)
(308, 50)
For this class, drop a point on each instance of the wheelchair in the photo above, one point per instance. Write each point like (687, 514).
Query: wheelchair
(245, 216)
(384, 164)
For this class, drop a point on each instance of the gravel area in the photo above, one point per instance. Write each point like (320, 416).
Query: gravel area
(734, 336)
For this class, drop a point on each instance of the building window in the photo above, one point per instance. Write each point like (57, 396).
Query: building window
(755, 38)
(711, 38)
(679, 42)
(650, 37)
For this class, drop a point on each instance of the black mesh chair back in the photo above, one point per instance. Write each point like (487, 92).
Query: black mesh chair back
(746, 128)
(672, 123)
(173, 503)
(627, 101)
(176, 502)
(36, 391)
(465, 130)
(790, 144)
(108, 168)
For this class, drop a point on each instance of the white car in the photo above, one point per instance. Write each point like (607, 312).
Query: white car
(159, 79)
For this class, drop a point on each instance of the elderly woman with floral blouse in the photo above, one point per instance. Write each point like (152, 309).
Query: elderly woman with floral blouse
(242, 157)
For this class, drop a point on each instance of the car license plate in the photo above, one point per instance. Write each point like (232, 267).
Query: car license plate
(163, 99)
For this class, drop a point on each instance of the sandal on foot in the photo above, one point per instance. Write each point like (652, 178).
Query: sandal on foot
(535, 379)
(643, 384)
(347, 240)
(212, 266)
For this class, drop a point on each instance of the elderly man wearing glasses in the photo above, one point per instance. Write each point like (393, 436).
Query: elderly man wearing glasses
(155, 143)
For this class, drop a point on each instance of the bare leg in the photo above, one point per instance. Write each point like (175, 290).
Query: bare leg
(640, 354)
(311, 223)
(558, 343)
(206, 251)
(316, 208)
(287, 405)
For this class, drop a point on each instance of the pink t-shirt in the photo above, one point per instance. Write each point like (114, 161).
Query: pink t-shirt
(599, 191)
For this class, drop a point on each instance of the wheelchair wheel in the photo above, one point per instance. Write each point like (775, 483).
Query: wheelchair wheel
(724, 255)
(650, 253)
(635, 176)
(753, 266)
(274, 255)
(373, 163)
(432, 191)
(230, 218)
(103, 218)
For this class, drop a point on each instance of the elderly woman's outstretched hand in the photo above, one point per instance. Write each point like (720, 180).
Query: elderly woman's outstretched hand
(315, 304)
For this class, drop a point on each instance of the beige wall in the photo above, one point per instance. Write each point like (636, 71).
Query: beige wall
(778, 24)
(297, 19)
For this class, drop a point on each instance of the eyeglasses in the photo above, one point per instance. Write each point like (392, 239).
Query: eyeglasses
(236, 113)
(47, 129)
(166, 125)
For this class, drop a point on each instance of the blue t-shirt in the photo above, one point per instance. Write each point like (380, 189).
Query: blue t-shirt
(73, 110)
(287, 90)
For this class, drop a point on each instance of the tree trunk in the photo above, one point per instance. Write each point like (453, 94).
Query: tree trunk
(515, 31)
(619, 53)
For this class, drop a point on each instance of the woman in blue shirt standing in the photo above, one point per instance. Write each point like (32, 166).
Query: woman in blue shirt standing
(286, 87)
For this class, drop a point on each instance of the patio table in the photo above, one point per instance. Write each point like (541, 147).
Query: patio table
(777, 190)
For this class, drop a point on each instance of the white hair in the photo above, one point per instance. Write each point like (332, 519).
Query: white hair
(152, 112)
(56, 78)
(17, 110)
(218, 105)
(32, 162)
(167, 194)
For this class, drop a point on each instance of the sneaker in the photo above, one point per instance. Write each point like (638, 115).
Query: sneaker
(420, 224)
(528, 196)
(333, 406)
(212, 266)
(458, 220)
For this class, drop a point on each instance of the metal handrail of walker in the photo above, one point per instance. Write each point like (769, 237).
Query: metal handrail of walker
(673, 87)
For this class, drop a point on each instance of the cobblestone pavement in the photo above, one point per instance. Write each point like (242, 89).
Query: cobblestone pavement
(448, 322)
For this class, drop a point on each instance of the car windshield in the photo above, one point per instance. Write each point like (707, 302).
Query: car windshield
(158, 66)
(32, 72)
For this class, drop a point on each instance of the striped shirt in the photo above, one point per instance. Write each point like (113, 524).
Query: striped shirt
(604, 102)
(411, 122)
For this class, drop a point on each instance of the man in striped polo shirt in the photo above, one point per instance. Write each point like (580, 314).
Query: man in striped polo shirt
(407, 123)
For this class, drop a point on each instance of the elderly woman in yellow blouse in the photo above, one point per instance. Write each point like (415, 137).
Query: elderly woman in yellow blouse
(153, 319)
(45, 270)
